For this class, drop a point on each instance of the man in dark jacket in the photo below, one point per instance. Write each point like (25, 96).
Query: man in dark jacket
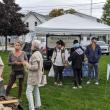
(93, 53)
(77, 57)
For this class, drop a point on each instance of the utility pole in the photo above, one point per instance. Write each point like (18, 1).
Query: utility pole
(91, 7)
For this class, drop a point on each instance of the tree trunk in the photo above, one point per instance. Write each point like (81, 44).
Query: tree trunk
(5, 43)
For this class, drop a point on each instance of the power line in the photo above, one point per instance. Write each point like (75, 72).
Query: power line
(52, 7)
(78, 9)
(66, 5)
(58, 7)
(44, 11)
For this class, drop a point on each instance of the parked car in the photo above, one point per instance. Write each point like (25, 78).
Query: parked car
(104, 47)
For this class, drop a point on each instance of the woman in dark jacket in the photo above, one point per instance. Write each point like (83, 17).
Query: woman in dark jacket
(77, 57)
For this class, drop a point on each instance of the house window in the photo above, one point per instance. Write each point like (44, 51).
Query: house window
(35, 23)
(27, 24)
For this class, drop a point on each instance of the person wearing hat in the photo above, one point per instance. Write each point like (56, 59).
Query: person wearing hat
(93, 53)
(77, 57)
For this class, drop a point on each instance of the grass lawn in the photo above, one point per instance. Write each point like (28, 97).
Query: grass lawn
(90, 97)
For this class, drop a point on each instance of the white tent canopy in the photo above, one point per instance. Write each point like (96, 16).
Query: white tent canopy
(72, 24)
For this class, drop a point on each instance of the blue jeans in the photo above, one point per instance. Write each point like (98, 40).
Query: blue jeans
(93, 71)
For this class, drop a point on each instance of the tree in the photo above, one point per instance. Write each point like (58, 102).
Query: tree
(70, 11)
(58, 12)
(106, 13)
(10, 20)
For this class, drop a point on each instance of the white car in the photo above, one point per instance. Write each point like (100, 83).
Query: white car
(104, 47)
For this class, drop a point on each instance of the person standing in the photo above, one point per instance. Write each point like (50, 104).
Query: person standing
(73, 49)
(16, 61)
(59, 60)
(93, 53)
(35, 73)
(77, 58)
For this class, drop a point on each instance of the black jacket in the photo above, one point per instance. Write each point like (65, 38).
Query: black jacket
(77, 57)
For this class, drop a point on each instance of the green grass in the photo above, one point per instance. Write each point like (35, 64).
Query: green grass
(90, 97)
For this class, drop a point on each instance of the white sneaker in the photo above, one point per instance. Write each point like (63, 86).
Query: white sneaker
(55, 83)
(74, 87)
(88, 82)
(96, 83)
(80, 87)
(60, 84)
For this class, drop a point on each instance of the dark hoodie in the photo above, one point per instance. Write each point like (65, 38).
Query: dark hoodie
(77, 57)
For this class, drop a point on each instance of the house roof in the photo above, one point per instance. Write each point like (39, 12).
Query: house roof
(72, 24)
(85, 15)
(36, 15)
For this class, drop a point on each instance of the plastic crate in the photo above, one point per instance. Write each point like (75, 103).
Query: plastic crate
(68, 71)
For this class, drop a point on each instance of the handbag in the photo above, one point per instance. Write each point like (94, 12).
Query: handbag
(44, 80)
(51, 72)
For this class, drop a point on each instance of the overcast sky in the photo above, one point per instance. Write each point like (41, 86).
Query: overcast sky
(44, 6)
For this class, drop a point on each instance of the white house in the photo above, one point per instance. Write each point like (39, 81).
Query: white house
(33, 19)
